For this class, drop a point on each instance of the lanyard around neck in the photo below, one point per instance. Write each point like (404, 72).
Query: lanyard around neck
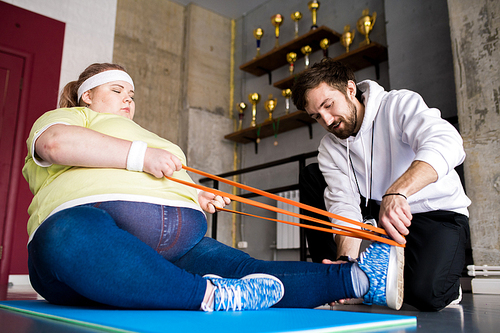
(371, 168)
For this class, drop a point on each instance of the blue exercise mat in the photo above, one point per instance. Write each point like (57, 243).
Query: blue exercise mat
(271, 320)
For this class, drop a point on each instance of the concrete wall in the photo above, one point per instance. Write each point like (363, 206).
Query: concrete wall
(420, 58)
(89, 35)
(149, 42)
(206, 95)
(474, 33)
(179, 58)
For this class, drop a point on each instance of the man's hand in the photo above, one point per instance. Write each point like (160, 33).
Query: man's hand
(395, 217)
(395, 213)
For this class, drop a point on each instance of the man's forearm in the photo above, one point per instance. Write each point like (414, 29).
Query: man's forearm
(419, 175)
(347, 246)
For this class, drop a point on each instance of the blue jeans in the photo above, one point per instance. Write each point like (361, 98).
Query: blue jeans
(146, 256)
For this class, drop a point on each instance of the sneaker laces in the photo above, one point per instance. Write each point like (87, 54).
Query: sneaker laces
(364, 254)
(232, 295)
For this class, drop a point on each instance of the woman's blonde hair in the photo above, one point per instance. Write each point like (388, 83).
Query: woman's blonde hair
(69, 95)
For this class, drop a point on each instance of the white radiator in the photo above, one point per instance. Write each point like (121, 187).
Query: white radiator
(288, 236)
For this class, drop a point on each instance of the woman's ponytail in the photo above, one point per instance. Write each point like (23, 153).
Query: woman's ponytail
(69, 95)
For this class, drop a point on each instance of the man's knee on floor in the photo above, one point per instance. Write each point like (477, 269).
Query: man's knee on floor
(426, 298)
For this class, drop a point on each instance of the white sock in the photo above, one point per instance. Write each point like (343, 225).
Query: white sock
(360, 282)
(209, 305)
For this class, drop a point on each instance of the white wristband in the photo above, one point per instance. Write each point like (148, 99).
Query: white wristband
(136, 153)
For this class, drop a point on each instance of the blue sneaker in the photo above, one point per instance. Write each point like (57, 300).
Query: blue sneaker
(384, 264)
(252, 292)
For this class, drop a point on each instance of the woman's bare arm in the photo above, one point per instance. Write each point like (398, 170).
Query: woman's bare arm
(79, 146)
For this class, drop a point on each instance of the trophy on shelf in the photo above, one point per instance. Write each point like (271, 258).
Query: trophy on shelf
(296, 16)
(324, 44)
(291, 58)
(254, 98)
(258, 33)
(242, 106)
(313, 7)
(287, 93)
(306, 51)
(347, 37)
(365, 25)
(270, 105)
(277, 20)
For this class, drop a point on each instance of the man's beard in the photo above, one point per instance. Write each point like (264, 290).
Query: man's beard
(350, 123)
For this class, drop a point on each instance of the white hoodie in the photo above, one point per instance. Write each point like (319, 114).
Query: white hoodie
(405, 129)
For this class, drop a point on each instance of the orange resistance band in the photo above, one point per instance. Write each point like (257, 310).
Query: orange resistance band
(307, 226)
(348, 231)
(288, 201)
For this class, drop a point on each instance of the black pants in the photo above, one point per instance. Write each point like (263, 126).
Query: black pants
(434, 252)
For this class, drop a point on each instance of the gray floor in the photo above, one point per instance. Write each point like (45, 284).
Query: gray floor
(476, 313)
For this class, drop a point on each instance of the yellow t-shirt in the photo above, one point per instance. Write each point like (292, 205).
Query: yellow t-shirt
(56, 185)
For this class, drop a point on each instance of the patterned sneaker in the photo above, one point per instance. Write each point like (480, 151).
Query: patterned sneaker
(252, 292)
(383, 264)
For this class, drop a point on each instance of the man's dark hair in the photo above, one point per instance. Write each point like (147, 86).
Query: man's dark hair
(333, 73)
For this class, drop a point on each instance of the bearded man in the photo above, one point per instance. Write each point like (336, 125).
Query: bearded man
(388, 159)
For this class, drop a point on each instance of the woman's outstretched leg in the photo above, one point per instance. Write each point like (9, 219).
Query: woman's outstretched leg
(378, 276)
(306, 284)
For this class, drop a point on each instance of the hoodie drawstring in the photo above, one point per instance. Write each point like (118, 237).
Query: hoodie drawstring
(366, 170)
(349, 165)
(368, 177)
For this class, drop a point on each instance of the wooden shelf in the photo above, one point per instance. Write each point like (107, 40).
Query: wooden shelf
(368, 55)
(287, 123)
(276, 57)
(362, 57)
(365, 56)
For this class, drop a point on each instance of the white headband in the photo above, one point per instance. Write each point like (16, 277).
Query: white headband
(102, 78)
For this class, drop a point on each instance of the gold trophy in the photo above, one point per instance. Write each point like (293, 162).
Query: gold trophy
(291, 58)
(258, 33)
(277, 20)
(254, 98)
(287, 93)
(324, 44)
(242, 106)
(365, 25)
(270, 105)
(313, 7)
(347, 37)
(306, 51)
(296, 16)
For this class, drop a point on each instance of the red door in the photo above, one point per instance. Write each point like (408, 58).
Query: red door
(11, 70)
(30, 66)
